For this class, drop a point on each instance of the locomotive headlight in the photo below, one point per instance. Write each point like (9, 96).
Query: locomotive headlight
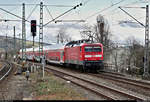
(88, 55)
(98, 55)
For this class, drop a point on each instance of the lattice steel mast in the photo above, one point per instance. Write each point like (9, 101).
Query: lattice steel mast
(146, 59)
(41, 30)
(23, 32)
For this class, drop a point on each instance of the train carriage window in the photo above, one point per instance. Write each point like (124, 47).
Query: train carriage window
(88, 49)
(92, 49)
(97, 49)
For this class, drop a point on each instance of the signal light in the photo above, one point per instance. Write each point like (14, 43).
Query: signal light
(33, 27)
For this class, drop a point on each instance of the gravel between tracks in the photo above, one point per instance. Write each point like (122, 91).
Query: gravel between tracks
(15, 88)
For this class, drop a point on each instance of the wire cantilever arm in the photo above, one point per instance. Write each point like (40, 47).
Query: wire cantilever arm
(13, 14)
(132, 17)
(62, 14)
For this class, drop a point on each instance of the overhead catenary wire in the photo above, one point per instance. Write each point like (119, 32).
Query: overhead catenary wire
(124, 6)
(32, 12)
(133, 7)
(132, 3)
(36, 4)
(70, 21)
(74, 7)
(101, 10)
(5, 20)
(112, 11)
(104, 9)
(13, 14)
(132, 17)
(85, 2)
(63, 14)
(49, 12)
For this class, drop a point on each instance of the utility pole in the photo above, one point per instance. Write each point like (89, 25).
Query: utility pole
(14, 41)
(6, 47)
(41, 31)
(23, 32)
(146, 50)
(42, 58)
(19, 41)
(146, 55)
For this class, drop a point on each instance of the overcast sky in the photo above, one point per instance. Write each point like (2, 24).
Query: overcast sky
(89, 11)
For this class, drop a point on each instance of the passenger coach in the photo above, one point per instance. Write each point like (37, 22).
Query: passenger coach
(83, 54)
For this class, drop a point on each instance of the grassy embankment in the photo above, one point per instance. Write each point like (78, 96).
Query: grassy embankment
(53, 88)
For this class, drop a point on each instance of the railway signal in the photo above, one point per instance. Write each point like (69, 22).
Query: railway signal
(33, 31)
(33, 27)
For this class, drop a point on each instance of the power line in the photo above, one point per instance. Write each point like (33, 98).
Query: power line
(32, 12)
(63, 14)
(60, 5)
(132, 3)
(69, 21)
(49, 12)
(84, 3)
(112, 11)
(13, 14)
(101, 10)
(5, 20)
(10, 4)
(36, 4)
(132, 17)
(132, 7)
(104, 9)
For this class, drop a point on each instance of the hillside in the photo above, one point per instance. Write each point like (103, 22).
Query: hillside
(10, 43)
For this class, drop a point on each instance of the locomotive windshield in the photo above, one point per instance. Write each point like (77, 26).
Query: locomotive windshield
(92, 49)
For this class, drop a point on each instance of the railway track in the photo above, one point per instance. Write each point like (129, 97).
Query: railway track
(96, 87)
(5, 70)
(139, 87)
(99, 89)
(121, 79)
(113, 73)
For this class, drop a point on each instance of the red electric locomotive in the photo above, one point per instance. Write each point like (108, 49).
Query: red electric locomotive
(84, 54)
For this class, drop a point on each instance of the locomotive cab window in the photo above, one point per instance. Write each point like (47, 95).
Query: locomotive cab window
(92, 49)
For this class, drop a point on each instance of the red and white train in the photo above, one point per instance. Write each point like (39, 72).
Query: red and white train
(82, 53)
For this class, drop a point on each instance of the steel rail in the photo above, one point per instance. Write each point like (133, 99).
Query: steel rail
(127, 79)
(91, 82)
(2, 67)
(113, 73)
(120, 81)
(55, 72)
(92, 90)
(10, 68)
(106, 87)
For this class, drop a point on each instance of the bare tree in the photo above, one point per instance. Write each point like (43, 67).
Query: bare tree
(135, 53)
(115, 55)
(102, 31)
(62, 36)
(87, 32)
